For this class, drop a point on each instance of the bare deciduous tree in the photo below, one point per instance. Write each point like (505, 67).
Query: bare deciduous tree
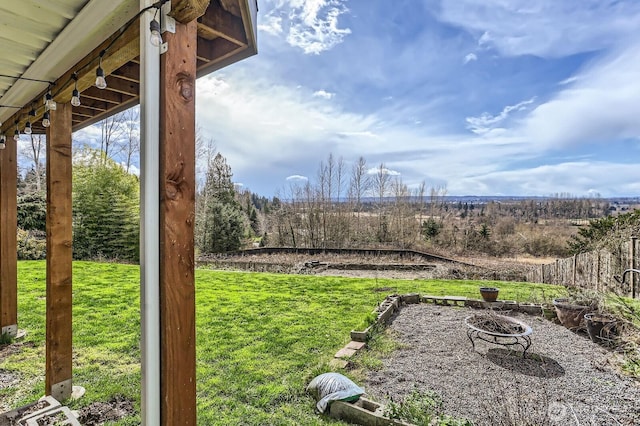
(34, 153)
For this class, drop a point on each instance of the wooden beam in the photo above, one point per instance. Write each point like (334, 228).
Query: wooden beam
(177, 211)
(125, 87)
(129, 71)
(8, 239)
(215, 49)
(218, 22)
(59, 255)
(105, 95)
(185, 11)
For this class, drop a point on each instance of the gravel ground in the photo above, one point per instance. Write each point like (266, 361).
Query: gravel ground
(567, 380)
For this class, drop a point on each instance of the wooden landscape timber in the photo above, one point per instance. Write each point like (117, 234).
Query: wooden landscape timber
(402, 253)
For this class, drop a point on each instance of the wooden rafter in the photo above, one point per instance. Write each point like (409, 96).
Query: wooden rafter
(217, 22)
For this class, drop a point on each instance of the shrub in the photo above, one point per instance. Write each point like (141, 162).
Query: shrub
(32, 245)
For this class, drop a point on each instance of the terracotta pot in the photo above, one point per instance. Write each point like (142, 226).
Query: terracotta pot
(489, 294)
(601, 327)
(571, 315)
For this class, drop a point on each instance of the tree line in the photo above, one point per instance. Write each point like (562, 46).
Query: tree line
(344, 205)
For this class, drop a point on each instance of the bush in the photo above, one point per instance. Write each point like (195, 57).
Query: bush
(32, 245)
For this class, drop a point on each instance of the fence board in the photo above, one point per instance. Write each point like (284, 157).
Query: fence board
(593, 270)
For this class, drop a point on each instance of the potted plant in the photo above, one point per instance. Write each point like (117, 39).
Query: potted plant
(572, 309)
(602, 328)
(489, 294)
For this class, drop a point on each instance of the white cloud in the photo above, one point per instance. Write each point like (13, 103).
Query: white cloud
(580, 178)
(547, 28)
(323, 94)
(271, 25)
(385, 171)
(296, 178)
(470, 57)
(486, 122)
(312, 24)
(600, 105)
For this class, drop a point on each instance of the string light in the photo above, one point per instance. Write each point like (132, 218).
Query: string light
(49, 103)
(154, 27)
(46, 122)
(101, 83)
(75, 97)
(3, 140)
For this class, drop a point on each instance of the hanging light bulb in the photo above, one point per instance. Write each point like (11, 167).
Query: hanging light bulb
(27, 128)
(101, 83)
(75, 97)
(3, 140)
(49, 103)
(156, 37)
(16, 135)
(46, 122)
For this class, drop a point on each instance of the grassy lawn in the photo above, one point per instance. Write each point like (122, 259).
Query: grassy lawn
(260, 337)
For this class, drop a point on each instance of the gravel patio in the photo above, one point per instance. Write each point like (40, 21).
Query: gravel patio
(567, 379)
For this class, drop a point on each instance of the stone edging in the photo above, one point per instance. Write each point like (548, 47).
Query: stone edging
(392, 303)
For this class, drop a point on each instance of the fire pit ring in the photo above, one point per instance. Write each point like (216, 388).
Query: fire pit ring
(516, 332)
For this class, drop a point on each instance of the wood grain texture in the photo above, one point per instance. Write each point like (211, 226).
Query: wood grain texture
(59, 249)
(185, 11)
(219, 23)
(8, 239)
(177, 211)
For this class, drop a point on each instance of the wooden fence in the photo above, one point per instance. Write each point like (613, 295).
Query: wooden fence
(594, 270)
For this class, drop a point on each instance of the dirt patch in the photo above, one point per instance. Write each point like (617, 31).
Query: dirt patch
(98, 413)
(7, 379)
(14, 348)
(565, 379)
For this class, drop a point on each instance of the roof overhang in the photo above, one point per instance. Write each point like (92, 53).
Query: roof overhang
(53, 40)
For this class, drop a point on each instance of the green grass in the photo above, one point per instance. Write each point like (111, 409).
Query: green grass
(260, 337)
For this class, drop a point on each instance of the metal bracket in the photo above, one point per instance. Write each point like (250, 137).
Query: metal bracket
(167, 23)
(164, 47)
(62, 390)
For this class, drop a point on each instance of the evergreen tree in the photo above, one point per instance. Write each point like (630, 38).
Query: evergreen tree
(220, 221)
(105, 209)
(32, 211)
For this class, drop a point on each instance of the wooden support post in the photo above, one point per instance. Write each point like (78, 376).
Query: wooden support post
(177, 211)
(59, 255)
(8, 240)
(574, 269)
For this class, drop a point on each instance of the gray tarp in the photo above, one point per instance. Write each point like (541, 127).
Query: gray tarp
(329, 387)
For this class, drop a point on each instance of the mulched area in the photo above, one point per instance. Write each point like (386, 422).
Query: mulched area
(99, 413)
(567, 379)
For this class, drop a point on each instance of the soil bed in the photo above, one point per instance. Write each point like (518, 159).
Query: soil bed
(567, 379)
(99, 413)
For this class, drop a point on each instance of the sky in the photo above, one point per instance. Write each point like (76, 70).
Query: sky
(481, 97)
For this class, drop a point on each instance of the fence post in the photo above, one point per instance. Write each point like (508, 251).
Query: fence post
(575, 261)
(632, 265)
(598, 272)
(556, 279)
